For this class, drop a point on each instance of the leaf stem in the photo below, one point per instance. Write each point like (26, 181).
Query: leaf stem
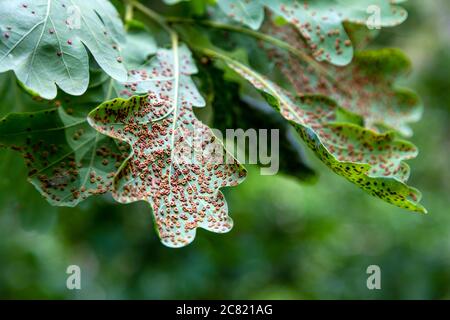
(258, 35)
(176, 69)
(217, 55)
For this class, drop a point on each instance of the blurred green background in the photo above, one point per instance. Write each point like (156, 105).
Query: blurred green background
(290, 241)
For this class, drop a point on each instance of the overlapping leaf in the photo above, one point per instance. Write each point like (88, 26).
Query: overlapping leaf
(67, 159)
(176, 163)
(320, 21)
(44, 42)
(365, 87)
(61, 151)
(372, 161)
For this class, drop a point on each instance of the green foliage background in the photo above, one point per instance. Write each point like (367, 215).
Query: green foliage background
(289, 241)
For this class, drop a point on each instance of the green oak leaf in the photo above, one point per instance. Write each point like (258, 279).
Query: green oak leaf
(365, 87)
(44, 42)
(373, 161)
(319, 21)
(14, 196)
(250, 13)
(67, 160)
(170, 165)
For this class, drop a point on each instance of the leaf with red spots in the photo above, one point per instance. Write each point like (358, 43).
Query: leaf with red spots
(44, 42)
(320, 21)
(176, 163)
(365, 87)
(373, 161)
(67, 160)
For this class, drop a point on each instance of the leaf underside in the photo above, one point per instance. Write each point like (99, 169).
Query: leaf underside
(44, 42)
(365, 87)
(163, 133)
(67, 160)
(151, 147)
(371, 160)
(320, 22)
